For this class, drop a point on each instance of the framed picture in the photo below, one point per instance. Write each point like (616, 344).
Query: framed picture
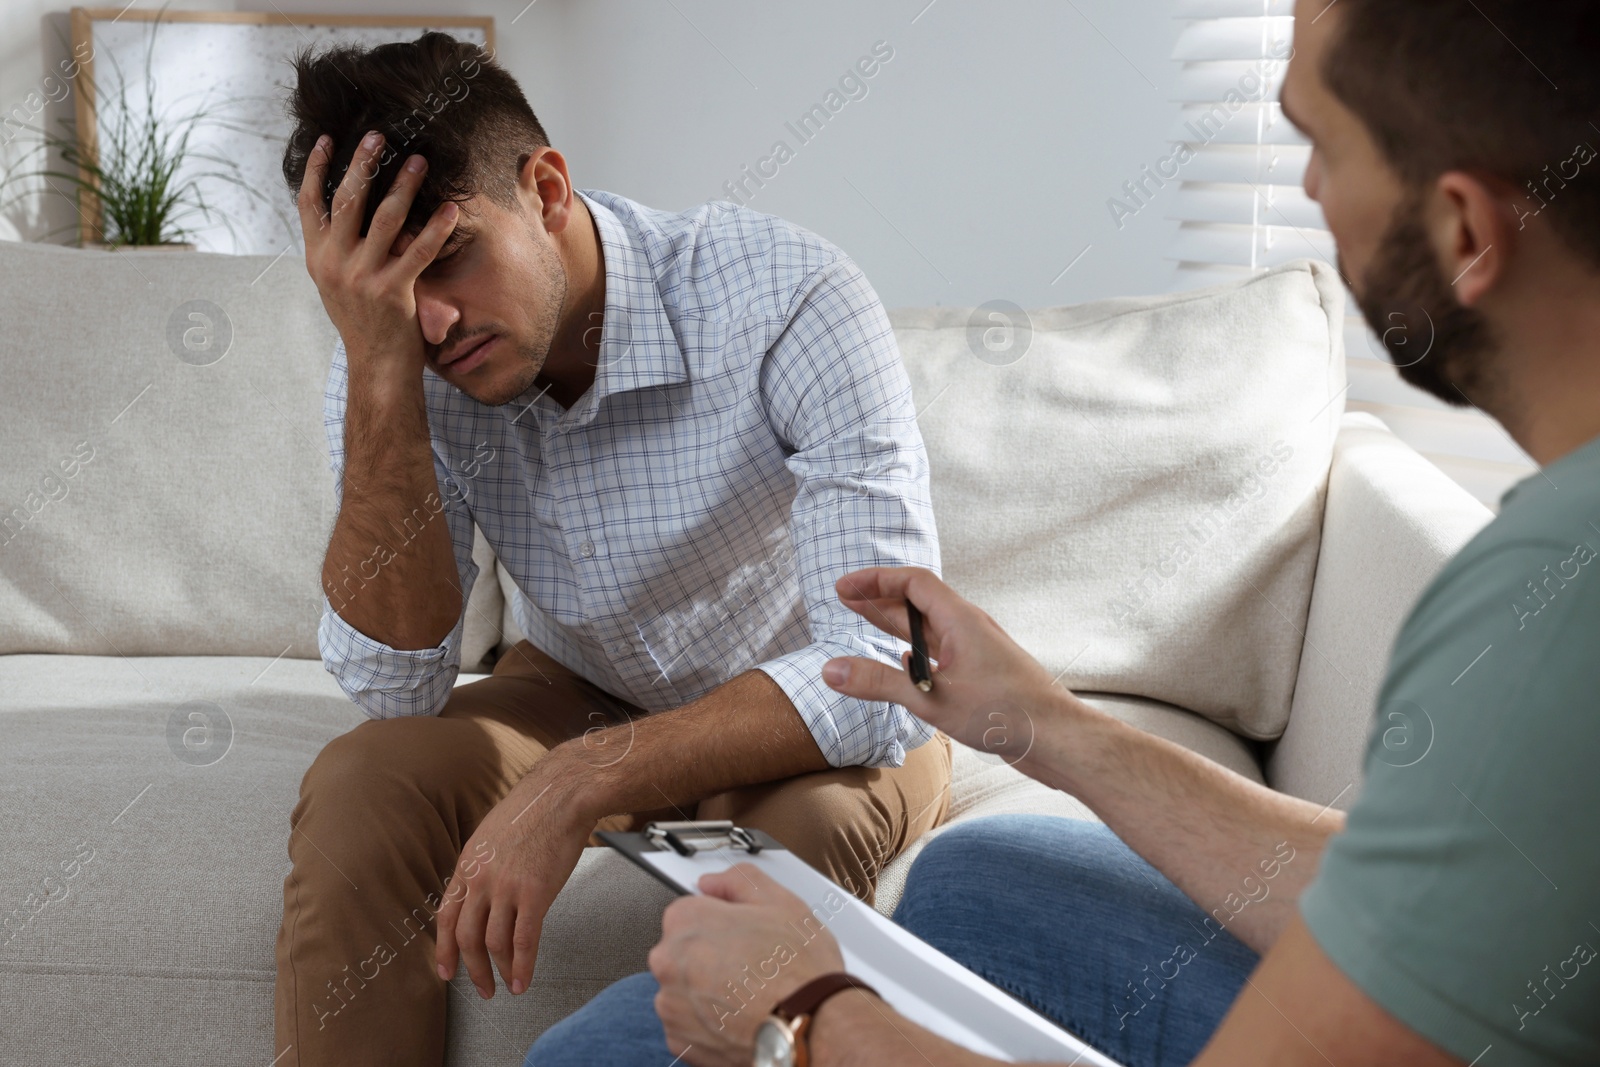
(222, 79)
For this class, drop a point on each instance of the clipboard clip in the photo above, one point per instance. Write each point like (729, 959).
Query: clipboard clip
(689, 837)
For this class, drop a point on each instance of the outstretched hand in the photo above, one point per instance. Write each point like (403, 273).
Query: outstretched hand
(986, 687)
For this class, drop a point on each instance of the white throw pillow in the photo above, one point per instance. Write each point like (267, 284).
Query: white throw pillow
(1133, 488)
(166, 487)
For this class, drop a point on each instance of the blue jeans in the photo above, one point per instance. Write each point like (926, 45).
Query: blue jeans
(1057, 912)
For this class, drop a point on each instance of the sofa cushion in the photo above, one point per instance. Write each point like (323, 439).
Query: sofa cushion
(193, 388)
(1133, 488)
(486, 605)
(166, 489)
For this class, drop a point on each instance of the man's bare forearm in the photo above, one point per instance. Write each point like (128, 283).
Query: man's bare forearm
(1240, 850)
(856, 1029)
(390, 570)
(744, 732)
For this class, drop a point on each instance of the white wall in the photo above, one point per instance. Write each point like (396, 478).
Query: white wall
(33, 40)
(976, 167)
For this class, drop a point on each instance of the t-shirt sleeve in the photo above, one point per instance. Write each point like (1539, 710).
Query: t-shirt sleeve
(1462, 896)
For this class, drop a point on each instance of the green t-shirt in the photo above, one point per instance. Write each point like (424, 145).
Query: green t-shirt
(1464, 895)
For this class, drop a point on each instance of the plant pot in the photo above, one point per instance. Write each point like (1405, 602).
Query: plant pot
(166, 246)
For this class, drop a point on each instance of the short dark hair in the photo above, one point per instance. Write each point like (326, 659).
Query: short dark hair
(1503, 87)
(437, 97)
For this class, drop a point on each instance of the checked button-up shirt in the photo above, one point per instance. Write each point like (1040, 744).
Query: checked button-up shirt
(748, 439)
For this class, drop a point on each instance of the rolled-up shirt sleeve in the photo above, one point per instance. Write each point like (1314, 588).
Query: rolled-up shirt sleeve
(387, 682)
(837, 393)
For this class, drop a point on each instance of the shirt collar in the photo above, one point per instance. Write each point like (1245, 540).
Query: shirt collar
(638, 348)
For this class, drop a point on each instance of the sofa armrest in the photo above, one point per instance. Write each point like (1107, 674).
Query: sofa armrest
(1391, 522)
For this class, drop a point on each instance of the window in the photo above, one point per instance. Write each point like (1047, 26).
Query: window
(1240, 209)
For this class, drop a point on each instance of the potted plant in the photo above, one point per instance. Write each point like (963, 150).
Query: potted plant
(137, 179)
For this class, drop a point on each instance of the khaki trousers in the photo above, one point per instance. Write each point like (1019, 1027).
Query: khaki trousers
(386, 809)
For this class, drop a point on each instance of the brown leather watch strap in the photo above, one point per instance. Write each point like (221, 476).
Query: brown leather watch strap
(809, 997)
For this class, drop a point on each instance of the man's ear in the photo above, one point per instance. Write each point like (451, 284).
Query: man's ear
(544, 187)
(1475, 233)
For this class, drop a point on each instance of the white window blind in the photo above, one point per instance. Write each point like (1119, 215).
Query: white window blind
(1240, 209)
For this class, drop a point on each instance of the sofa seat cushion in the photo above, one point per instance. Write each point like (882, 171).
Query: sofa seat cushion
(147, 801)
(179, 899)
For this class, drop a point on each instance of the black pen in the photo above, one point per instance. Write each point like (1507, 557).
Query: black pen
(921, 674)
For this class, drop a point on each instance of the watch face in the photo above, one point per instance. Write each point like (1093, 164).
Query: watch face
(774, 1045)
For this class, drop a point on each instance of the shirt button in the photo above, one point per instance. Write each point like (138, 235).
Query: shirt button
(620, 648)
(586, 549)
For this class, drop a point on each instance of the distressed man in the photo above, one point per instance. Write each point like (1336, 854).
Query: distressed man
(676, 431)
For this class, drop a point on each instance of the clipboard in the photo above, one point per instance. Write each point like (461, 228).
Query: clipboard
(913, 977)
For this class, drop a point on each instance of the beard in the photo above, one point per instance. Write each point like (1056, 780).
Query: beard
(1437, 345)
(529, 352)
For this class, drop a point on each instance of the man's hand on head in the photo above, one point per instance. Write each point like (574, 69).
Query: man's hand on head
(368, 283)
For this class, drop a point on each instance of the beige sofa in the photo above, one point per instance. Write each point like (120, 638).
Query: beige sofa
(1110, 482)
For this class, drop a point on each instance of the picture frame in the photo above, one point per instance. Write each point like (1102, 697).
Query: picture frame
(243, 56)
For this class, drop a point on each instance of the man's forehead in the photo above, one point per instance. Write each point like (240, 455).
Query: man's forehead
(1314, 20)
(1313, 13)
(1287, 100)
(1300, 90)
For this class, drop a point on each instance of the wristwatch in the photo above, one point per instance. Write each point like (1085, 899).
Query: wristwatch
(782, 1040)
